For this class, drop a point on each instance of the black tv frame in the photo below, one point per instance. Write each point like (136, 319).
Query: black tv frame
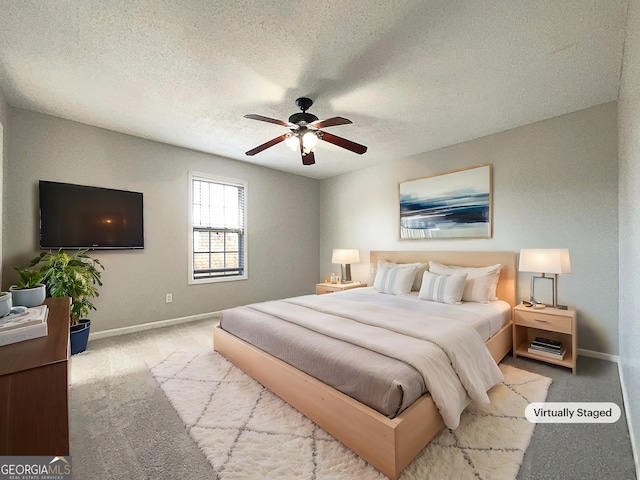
(74, 217)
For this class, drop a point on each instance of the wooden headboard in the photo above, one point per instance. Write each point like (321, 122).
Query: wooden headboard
(506, 289)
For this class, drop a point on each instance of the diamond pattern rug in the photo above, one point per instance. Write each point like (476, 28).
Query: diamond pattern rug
(247, 432)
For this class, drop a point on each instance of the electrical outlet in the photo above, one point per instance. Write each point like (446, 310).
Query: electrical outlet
(169, 298)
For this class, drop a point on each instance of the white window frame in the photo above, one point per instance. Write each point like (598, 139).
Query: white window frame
(227, 181)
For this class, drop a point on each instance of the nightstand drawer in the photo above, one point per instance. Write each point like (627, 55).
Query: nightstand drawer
(322, 288)
(543, 321)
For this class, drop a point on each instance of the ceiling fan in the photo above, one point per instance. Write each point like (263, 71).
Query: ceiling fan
(305, 132)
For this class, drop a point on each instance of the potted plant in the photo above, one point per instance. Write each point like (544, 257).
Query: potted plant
(30, 290)
(5, 303)
(74, 275)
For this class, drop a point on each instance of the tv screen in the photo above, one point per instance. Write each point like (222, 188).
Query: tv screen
(77, 216)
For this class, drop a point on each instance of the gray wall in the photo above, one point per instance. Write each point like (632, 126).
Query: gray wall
(4, 128)
(4, 109)
(629, 204)
(282, 221)
(554, 186)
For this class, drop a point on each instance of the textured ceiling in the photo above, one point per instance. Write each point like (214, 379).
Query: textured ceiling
(413, 76)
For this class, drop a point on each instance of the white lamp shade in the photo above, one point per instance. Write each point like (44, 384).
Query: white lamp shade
(309, 140)
(293, 142)
(545, 260)
(345, 256)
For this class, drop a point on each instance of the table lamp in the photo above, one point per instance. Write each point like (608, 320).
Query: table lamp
(546, 261)
(345, 258)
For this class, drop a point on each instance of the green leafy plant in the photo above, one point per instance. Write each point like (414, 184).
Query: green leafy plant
(74, 275)
(28, 278)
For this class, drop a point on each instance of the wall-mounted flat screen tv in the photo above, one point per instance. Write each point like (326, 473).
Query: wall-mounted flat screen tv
(78, 216)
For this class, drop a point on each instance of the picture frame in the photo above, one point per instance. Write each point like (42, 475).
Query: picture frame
(455, 204)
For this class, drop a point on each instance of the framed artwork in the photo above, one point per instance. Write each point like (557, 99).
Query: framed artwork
(455, 204)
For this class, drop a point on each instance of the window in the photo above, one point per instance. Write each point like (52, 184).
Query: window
(217, 230)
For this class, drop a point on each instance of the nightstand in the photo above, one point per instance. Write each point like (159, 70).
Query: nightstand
(551, 323)
(322, 288)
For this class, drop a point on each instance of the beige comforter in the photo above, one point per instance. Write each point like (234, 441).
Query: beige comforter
(452, 358)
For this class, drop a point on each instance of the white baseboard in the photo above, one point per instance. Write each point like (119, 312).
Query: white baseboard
(148, 326)
(634, 445)
(599, 355)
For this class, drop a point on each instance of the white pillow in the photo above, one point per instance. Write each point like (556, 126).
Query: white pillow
(442, 288)
(421, 267)
(481, 282)
(394, 280)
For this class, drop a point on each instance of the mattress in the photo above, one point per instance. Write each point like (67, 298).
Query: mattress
(384, 383)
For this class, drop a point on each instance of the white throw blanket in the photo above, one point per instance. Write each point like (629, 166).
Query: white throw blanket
(451, 356)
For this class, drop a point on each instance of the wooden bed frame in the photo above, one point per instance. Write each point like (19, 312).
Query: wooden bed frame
(387, 444)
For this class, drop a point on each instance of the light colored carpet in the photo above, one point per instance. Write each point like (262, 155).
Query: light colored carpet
(247, 432)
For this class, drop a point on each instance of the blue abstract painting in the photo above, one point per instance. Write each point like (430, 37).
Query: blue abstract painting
(450, 205)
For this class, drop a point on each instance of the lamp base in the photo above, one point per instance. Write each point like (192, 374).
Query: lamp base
(346, 273)
(543, 290)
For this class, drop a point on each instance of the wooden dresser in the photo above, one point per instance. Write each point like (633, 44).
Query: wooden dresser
(34, 389)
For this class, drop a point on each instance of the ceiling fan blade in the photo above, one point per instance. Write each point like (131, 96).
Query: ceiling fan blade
(331, 122)
(253, 116)
(342, 142)
(268, 144)
(308, 159)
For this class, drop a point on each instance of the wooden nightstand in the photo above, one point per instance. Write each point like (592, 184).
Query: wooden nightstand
(552, 323)
(322, 288)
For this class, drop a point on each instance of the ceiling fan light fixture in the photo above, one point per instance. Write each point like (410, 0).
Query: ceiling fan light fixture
(293, 143)
(309, 140)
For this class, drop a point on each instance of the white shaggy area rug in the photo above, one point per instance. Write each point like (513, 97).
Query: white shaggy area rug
(247, 432)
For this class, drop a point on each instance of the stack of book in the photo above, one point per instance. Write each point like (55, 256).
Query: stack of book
(22, 325)
(547, 347)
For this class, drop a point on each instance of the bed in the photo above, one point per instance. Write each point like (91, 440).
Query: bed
(388, 441)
